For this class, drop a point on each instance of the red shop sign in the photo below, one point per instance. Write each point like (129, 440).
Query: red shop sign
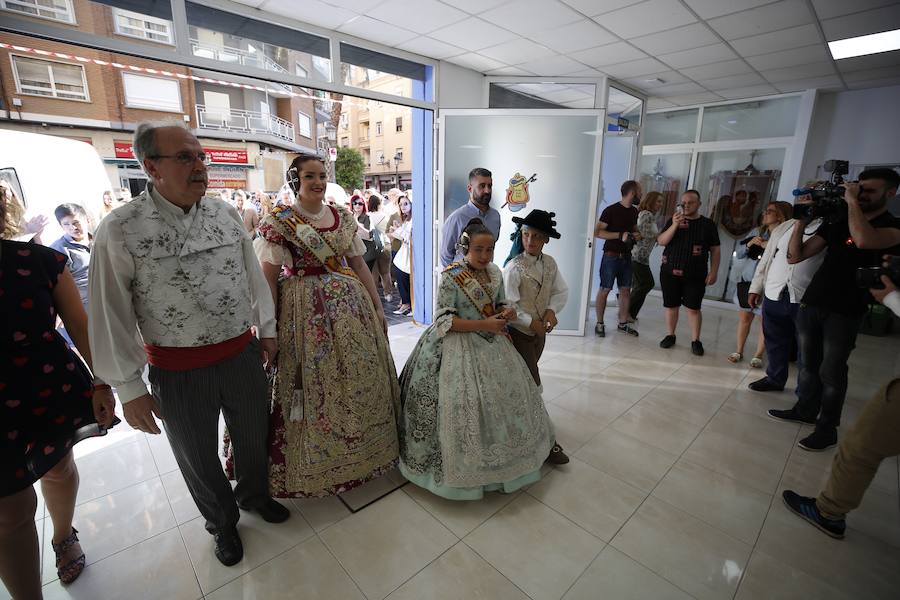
(217, 155)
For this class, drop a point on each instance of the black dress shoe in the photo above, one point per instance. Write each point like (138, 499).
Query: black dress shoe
(271, 512)
(229, 549)
(764, 385)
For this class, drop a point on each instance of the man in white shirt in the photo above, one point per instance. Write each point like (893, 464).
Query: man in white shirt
(780, 286)
(174, 282)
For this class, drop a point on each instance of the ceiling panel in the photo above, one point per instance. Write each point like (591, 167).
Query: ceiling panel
(655, 80)
(553, 65)
(772, 17)
(586, 73)
(858, 85)
(822, 83)
(734, 81)
(675, 40)
(516, 51)
(793, 37)
(708, 9)
(689, 99)
(420, 16)
(646, 18)
(477, 62)
(872, 61)
(828, 9)
(721, 69)
(608, 55)
(801, 72)
(658, 103)
(864, 23)
(509, 71)
(869, 74)
(581, 35)
(474, 7)
(790, 58)
(376, 31)
(699, 56)
(315, 13)
(432, 48)
(644, 66)
(678, 89)
(358, 6)
(473, 34)
(595, 7)
(530, 16)
(748, 92)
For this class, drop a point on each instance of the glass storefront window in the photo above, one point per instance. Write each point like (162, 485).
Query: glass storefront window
(750, 120)
(378, 72)
(622, 105)
(542, 95)
(671, 127)
(233, 39)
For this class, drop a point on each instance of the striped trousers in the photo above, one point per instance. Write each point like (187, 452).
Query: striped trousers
(190, 402)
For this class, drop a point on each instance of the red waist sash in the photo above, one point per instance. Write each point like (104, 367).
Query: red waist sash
(172, 358)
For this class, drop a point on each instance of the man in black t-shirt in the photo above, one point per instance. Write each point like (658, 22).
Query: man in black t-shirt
(833, 307)
(691, 241)
(618, 226)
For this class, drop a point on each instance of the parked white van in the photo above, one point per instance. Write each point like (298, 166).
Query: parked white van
(46, 171)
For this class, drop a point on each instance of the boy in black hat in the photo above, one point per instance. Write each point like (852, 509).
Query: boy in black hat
(537, 290)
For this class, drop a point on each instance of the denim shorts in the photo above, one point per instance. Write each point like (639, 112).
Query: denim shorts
(615, 269)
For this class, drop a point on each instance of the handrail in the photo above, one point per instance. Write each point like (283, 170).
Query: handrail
(248, 121)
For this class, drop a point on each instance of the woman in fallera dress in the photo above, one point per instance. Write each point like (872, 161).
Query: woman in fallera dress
(335, 393)
(473, 420)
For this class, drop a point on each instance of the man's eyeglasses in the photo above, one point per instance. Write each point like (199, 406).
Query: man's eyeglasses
(186, 158)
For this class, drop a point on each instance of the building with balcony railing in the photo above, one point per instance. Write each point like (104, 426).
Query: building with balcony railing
(244, 121)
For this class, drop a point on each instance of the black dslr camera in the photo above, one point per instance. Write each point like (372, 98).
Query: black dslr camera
(870, 277)
(827, 198)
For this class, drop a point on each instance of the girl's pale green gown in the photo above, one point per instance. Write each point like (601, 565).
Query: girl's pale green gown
(472, 419)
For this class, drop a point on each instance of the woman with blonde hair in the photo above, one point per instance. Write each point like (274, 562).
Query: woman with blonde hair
(643, 282)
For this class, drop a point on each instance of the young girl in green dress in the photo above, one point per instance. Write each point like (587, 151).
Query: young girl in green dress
(472, 417)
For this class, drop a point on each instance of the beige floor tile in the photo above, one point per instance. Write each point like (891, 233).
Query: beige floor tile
(757, 403)
(627, 458)
(180, 498)
(113, 469)
(647, 370)
(308, 571)
(112, 523)
(593, 400)
(657, 429)
(460, 517)
(755, 429)
(162, 453)
(572, 429)
(321, 513)
(576, 365)
(723, 502)
(683, 402)
(615, 575)
(772, 579)
(156, 569)
(387, 543)
(262, 541)
(534, 547)
(756, 465)
(555, 385)
(684, 550)
(369, 492)
(858, 565)
(592, 499)
(706, 373)
(458, 573)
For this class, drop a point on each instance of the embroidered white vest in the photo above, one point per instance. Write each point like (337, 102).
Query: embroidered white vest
(190, 288)
(535, 286)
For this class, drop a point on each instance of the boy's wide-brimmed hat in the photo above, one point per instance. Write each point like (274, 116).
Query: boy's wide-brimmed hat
(540, 220)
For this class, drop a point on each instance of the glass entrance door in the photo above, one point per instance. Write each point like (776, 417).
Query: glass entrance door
(560, 149)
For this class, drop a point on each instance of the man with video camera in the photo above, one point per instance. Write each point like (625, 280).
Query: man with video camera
(872, 439)
(833, 306)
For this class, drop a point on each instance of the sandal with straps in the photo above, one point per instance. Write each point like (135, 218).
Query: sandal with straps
(69, 571)
(735, 357)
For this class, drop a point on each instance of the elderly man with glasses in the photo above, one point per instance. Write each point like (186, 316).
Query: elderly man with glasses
(175, 283)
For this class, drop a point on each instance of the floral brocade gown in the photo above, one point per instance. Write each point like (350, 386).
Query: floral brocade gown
(333, 423)
(473, 419)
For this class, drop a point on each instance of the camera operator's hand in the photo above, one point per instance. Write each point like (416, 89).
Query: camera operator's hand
(851, 192)
(753, 300)
(889, 287)
(677, 219)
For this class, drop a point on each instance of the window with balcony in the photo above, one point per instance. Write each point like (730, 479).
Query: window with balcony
(378, 128)
(47, 78)
(379, 157)
(300, 70)
(152, 93)
(345, 142)
(398, 156)
(143, 27)
(399, 124)
(345, 122)
(304, 125)
(54, 10)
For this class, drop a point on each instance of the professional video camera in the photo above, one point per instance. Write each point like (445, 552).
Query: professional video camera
(827, 197)
(870, 277)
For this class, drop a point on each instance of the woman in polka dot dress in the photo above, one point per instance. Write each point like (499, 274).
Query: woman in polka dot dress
(48, 403)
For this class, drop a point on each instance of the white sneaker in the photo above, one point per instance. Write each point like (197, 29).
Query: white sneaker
(388, 298)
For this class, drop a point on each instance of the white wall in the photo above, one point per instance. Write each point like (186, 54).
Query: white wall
(862, 126)
(460, 87)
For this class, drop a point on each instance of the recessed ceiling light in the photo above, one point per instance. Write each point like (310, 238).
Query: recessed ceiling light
(654, 80)
(865, 44)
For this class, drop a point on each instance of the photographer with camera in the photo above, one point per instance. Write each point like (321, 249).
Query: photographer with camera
(872, 439)
(833, 306)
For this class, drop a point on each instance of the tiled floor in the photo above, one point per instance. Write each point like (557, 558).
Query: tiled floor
(673, 492)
